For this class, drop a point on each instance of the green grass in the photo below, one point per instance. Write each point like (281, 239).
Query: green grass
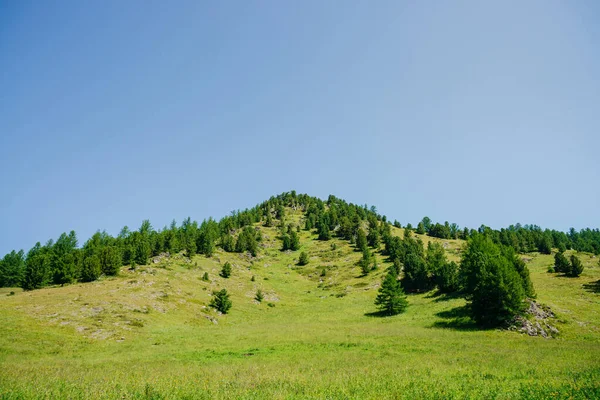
(149, 334)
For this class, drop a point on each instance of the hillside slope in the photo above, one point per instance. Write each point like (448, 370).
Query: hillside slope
(149, 333)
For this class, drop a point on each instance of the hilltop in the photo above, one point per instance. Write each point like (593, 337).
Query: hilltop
(149, 330)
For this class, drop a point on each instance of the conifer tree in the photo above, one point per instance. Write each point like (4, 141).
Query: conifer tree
(391, 299)
(374, 238)
(259, 296)
(294, 241)
(303, 259)
(221, 301)
(361, 240)
(561, 263)
(226, 270)
(576, 267)
(91, 269)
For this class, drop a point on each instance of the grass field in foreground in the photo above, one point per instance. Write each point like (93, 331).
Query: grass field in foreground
(149, 334)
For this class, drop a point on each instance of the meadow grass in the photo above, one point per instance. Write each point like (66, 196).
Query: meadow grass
(149, 334)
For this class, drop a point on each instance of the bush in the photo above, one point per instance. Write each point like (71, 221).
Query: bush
(220, 301)
(259, 296)
(226, 270)
(205, 277)
(303, 259)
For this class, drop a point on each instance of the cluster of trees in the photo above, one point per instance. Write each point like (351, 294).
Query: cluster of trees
(523, 238)
(562, 264)
(493, 279)
(491, 276)
(63, 262)
(423, 269)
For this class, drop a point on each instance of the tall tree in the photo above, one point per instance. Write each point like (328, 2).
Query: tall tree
(390, 297)
(91, 269)
(361, 240)
(576, 267)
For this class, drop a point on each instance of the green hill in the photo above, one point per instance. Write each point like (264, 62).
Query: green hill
(149, 332)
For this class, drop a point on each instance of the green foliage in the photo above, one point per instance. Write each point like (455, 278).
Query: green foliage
(374, 238)
(63, 268)
(561, 263)
(228, 243)
(361, 240)
(545, 245)
(444, 273)
(12, 269)
(259, 296)
(416, 274)
(247, 241)
(269, 219)
(92, 269)
(390, 297)
(36, 268)
(226, 270)
(221, 301)
(365, 261)
(576, 267)
(323, 231)
(421, 228)
(110, 259)
(521, 268)
(492, 284)
(446, 278)
(205, 277)
(303, 259)
(294, 241)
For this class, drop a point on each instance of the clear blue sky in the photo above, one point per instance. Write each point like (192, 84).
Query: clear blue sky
(116, 111)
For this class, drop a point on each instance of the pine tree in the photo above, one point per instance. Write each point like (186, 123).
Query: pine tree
(420, 228)
(361, 240)
(110, 258)
(303, 259)
(492, 285)
(576, 267)
(365, 261)
(391, 299)
(374, 238)
(294, 241)
(205, 277)
(259, 296)
(36, 269)
(285, 242)
(91, 269)
(226, 270)
(561, 263)
(221, 301)
(416, 275)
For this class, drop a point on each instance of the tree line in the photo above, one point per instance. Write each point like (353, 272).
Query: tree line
(523, 238)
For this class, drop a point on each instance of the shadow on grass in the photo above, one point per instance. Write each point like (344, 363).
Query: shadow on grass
(456, 318)
(439, 296)
(378, 314)
(593, 287)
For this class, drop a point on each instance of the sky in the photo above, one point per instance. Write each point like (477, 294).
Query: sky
(473, 112)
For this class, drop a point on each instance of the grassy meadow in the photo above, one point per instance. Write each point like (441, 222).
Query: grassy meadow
(149, 334)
